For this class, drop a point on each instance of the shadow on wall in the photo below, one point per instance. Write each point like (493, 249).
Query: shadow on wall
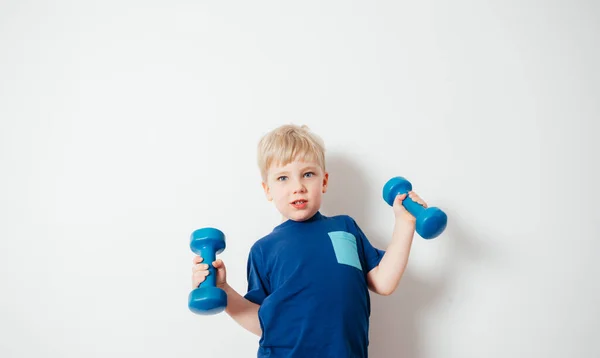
(395, 330)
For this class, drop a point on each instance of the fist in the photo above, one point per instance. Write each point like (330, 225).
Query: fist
(400, 211)
(200, 271)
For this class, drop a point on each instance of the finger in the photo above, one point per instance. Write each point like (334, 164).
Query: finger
(197, 281)
(200, 275)
(218, 263)
(420, 201)
(199, 267)
(399, 201)
(197, 259)
(417, 199)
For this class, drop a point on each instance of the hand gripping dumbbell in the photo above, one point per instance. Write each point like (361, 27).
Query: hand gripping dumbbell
(431, 222)
(207, 299)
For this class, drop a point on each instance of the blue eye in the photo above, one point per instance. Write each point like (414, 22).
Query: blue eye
(282, 178)
(309, 174)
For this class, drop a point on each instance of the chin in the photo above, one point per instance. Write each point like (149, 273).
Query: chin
(302, 216)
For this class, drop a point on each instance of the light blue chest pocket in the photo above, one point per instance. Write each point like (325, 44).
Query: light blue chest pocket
(346, 251)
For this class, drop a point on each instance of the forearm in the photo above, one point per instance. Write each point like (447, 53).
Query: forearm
(244, 312)
(392, 265)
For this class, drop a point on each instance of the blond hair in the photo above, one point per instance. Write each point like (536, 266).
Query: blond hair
(287, 143)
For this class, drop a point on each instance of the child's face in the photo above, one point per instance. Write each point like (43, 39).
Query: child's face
(296, 188)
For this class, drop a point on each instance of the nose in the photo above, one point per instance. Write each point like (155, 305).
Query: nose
(299, 189)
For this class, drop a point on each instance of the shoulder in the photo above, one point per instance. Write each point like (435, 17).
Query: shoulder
(265, 243)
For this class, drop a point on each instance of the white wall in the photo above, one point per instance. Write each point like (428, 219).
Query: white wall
(126, 125)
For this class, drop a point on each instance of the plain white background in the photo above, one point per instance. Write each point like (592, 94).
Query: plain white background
(126, 125)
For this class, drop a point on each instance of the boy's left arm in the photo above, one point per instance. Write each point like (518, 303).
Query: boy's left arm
(384, 278)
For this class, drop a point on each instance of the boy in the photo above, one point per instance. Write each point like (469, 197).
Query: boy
(309, 279)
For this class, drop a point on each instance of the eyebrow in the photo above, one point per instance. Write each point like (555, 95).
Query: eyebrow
(279, 173)
(310, 167)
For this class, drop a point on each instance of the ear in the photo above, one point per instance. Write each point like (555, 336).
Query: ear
(267, 191)
(325, 181)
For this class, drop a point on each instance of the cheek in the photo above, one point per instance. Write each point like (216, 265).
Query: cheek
(278, 197)
(317, 192)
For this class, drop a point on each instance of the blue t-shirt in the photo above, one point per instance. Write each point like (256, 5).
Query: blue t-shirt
(310, 280)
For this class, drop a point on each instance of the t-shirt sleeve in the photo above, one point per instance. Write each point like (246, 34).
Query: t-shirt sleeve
(372, 254)
(258, 288)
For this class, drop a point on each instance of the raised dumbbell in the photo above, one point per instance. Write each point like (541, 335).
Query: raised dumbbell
(207, 298)
(431, 222)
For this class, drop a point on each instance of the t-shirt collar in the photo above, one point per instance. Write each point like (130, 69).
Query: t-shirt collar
(290, 222)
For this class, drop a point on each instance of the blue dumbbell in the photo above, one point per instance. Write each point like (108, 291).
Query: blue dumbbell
(431, 222)
(207, 299)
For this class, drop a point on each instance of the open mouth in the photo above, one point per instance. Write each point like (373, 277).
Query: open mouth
(299, 204)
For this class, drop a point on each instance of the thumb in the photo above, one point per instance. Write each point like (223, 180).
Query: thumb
(219, 265)
(221, 272)
(400, 198)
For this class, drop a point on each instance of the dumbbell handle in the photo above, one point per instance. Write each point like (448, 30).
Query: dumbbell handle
(208, 255)
(411, 206)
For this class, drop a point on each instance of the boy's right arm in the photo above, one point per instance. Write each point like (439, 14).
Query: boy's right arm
(244, 312)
